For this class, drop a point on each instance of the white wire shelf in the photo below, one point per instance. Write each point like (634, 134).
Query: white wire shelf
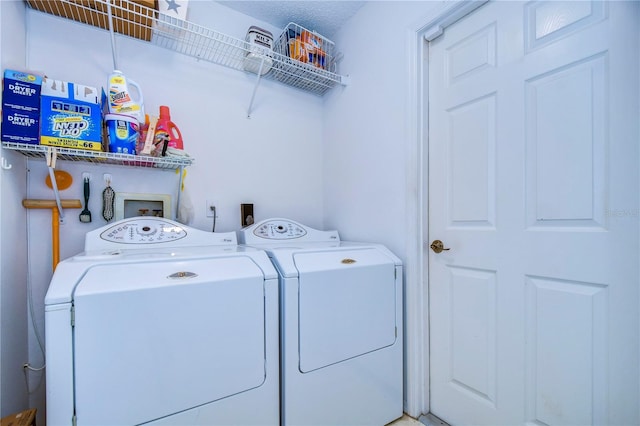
(135, 20)
(99, 157)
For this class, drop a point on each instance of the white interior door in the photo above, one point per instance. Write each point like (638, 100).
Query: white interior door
(533, 186)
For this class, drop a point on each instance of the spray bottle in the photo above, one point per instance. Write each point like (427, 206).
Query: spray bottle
(120, 99)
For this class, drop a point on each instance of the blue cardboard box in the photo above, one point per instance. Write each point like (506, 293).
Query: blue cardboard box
(21, 107)
(21, 91)
(70, 115)
(20, 127)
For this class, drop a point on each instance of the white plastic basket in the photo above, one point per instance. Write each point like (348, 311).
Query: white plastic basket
(307, 47)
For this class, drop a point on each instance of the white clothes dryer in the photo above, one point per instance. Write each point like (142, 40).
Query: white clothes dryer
(341, 325)
(161, 324)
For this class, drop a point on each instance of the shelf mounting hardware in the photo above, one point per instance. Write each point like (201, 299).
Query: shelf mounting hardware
(112, 34)
(182, 173)
(51, 156)
(5, 164)
(255, 88)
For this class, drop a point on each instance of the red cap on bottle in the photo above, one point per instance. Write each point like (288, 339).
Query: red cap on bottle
(164, 112)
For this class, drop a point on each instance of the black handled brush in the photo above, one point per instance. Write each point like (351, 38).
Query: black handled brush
(85, 215)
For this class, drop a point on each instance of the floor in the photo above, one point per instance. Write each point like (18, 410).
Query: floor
(425, 420)
(406, 421)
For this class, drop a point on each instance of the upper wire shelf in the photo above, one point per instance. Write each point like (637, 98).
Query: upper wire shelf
(145, 23)
(100, 157)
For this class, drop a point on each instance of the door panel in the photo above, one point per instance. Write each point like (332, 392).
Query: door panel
(566, 159)
(473, 330)
(471, 163)
(569, 383)
(533, 186)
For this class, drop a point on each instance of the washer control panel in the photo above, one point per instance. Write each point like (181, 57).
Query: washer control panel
(147, 232)
(143, 231)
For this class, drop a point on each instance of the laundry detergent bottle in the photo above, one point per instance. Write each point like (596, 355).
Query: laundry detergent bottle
(167, 133)
(121, 100)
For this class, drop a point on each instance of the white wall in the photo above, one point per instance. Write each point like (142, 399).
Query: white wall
(371, 149)
(13, 283)
(367, 134)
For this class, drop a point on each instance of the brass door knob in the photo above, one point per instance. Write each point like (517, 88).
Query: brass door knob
(438, 246)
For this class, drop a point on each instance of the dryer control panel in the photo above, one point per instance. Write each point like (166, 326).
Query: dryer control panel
(283, 230)
(279, 230)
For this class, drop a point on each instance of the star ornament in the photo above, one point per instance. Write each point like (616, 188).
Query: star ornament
(173, 5)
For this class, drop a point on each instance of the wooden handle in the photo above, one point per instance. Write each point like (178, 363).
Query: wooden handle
(51, 204)
(55, 238)
(55, 221)
(151, 134)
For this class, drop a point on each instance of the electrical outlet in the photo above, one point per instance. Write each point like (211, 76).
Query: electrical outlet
(210, 206)
(246, 214)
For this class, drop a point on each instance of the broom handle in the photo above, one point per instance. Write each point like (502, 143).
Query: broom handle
(55, 238)
(51, 204)
(55, 221)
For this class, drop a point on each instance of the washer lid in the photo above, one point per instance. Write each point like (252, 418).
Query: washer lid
(156, 262)
(156, 338)
(138, 276)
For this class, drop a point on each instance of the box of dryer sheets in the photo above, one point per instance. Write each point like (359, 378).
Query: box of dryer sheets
(21, 91)
(20, 127)
(21, 107)
(70, 115)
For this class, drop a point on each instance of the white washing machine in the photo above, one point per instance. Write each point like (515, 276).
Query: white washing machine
(341, 325)
(157, 323)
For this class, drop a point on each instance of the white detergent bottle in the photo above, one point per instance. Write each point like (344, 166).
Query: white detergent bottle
(120, 97)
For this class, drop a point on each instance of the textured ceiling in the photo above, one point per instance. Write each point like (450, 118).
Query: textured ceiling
(323, 17)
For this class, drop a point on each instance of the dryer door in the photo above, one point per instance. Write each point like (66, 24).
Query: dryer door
(155, 338)
(346, 305)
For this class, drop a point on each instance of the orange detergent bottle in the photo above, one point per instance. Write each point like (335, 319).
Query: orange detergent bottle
(167, 133)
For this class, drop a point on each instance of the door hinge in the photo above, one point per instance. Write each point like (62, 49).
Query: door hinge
(74, 420)
(73, 316)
